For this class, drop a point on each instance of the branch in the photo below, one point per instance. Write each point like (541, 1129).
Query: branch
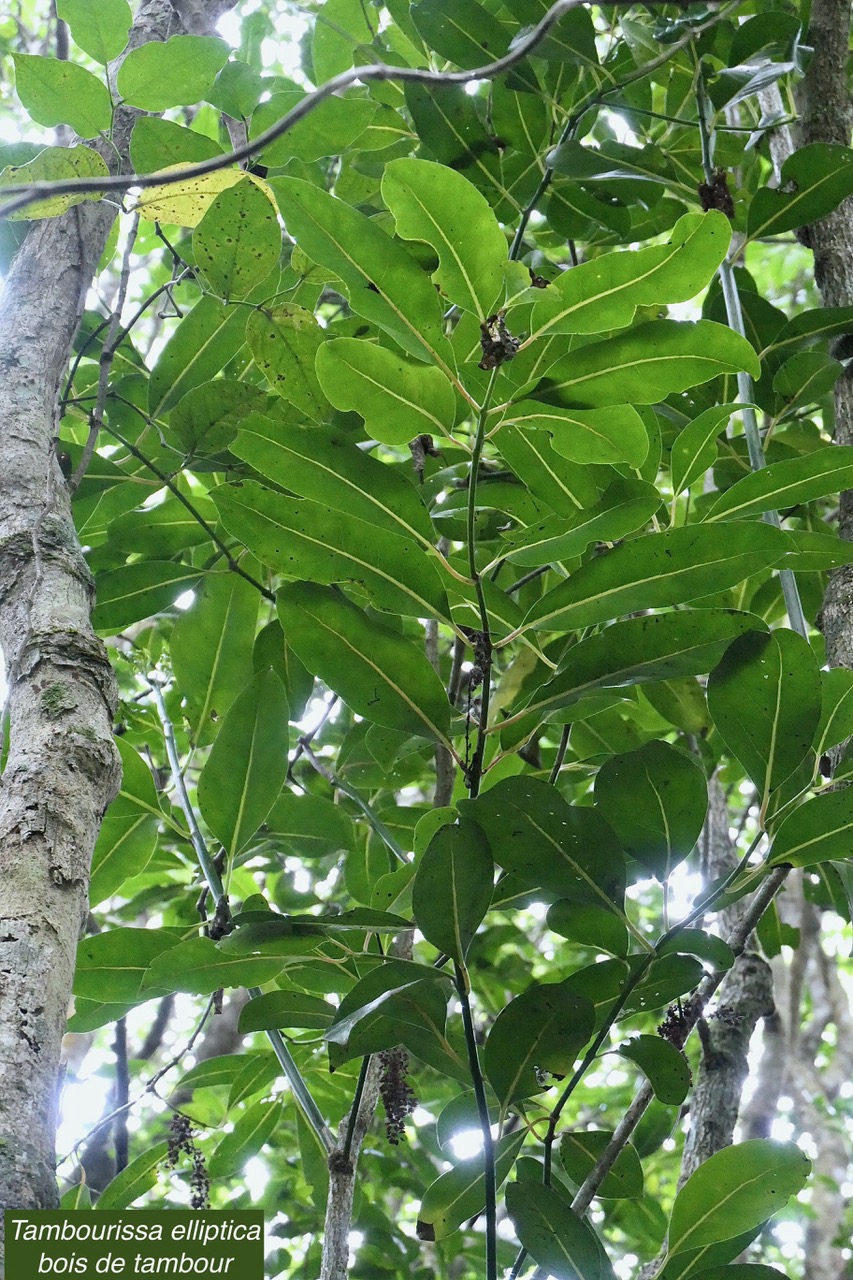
(212, 878)
(692, 1012)
(338, 783)
(233, 565)
(27, 195)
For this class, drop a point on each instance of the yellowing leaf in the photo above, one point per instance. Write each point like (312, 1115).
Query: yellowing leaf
(54, 164)
(186, 202)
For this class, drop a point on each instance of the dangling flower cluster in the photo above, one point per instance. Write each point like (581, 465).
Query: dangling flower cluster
(181, 1140)
(397, 1095)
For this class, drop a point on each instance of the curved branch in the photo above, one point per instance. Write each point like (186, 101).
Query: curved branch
(381, 71)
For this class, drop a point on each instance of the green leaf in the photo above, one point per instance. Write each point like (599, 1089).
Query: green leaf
(656, 570)
(167, 529)
(256, 1077)
(566, 487)
(649, 362)
(788, 483)
(98, 29)
(384, 284)
(452, 888)
(823, 322)
(815, 832)
(555, 1237)
(694, 449)
(734, 1190)
(535, 835)
(186, 199)
(612, 434)
(111, 965)
(664, 1066)
(604, 293)
(203, 342)
(211, 649)
(667, 979)
(813, 181)
(238, 241)
(198, 967)
(625, 507)
(246, 768)
(765, 699)
(128, 834)
(204, 421)
(171, 73)
(285, 1009)
(460, 1193)
(255, 1127)
(741, 1271)
(335, 42)
(54, 164)
(461, 1113)
(60, 92)
(272, 650)
(657, 647)
(461, 30)
(139, 590)
(542, 1030)
(398, 400)
(446, 118)
(88, 1015)
(134, 1180)
(377, 672)
(580, 1150)
(441, 208)
(219, 1072)
(78, 1197)
(656, 800)
(397, 1003)
(806, 377)
(331, 128)
(269, 933)
(325, 465)
(836, 717)
(303, 539)
(284, 341)
(686, 1266)
(627, 171)
(307, 826)
(157, 144)
(816, 551)
(696, 942)
(589, 925)
(237, 89)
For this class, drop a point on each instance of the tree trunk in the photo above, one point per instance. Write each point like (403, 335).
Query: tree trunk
(62, 768)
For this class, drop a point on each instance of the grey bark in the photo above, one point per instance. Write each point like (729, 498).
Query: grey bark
(342, 1170)
(811, 1000)
(745, 997)
(827, 117)
(693, 1010)
(62, 768)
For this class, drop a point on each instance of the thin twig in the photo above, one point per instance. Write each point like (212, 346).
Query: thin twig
(105, 364)
(746, 390)
(298, 1087)
(150, 1086)
(338, 783)
(233, 565)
